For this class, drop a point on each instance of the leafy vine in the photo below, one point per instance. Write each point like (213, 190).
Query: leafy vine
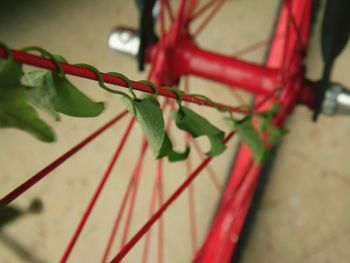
(21, 94)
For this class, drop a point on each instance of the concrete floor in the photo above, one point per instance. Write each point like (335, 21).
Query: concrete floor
(305, 211)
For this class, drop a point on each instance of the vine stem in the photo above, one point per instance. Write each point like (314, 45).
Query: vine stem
(38, 61)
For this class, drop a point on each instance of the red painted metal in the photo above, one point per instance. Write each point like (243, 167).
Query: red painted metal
(169, 9)
(202, 10)
(214, 11)
(97, 192)
(53, 165)
(131, 192)
(152, 207)
(192, 208)
(133, 241)
(285, 52)
(170, 61)
(306, 96)
(161, 219)
(70, 69)
(118, 218)
(226, 219)
(212, 175)
(177, 55)
(137, 175)
(161, 18)
(191, 188)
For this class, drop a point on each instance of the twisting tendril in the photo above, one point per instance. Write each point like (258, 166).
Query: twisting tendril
(127, 82)
(221, 109)
(179, 94)
(103, 86)
(55, 59)
(151, 85)
(7, 50)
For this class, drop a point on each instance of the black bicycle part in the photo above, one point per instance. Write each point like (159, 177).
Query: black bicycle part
(334, 37)
(146, 29)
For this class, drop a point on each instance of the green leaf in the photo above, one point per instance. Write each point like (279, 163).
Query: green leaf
(197, 126)
(249, 135)
(15, 112)
(150, 117)
(274, 109)
(265, 120)
(64, 97)
(10, 73)
(167, 150)
(252, 136)
(276, 134)
(41, 91)
(264, 123)
(70, 101)
(178, 156)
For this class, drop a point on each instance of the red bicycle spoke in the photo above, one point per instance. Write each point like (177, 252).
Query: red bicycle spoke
(191, 208)
(161, 18)
(160, 186)
(127, 194)
(164, 6)
(52, 166)
(198, 149)
(97, 193)
(152, 207)
(191, 7)
(180, 19)
(169, 9)
(266, 99)
(129, 245)
(235, 94)
(203, 9)
(137, 174)
(248, 49)
(160, 221)
(190, 191)
(210, 171)
(116, 224)
(206, 21)
(181, 10)
(70, 69)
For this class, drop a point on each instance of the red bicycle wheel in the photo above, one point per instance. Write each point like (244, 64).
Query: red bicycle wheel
(174, 57)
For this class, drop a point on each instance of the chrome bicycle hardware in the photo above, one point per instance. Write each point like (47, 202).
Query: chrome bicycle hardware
(336, 100)
(124, 40)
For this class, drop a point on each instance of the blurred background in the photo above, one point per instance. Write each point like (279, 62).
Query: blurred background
(304, 215)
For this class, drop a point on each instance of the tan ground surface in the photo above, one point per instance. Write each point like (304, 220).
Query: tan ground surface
(305, 212)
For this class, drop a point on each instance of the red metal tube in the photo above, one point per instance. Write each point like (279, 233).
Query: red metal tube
(188, 59)
(70, 69)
